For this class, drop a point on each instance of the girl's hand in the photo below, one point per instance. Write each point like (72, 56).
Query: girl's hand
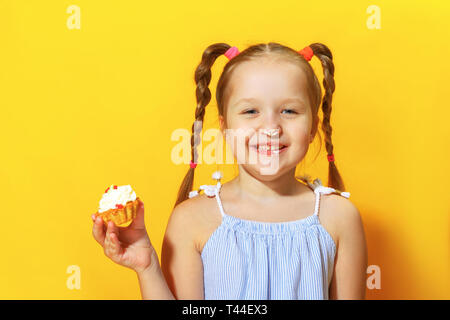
(128, 246)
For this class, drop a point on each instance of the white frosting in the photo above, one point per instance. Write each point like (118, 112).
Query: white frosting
(121, 195)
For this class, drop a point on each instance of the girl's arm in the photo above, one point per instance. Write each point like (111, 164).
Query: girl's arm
(152, 283)
(131, 247)
(349, 279)
(180, 275)
(181, 260)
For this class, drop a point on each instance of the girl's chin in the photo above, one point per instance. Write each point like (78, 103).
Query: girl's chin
(265, 171)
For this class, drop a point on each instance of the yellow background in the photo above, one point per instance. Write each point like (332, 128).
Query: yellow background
(83, 109)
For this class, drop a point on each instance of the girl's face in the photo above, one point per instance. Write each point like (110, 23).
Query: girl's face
(268, 95)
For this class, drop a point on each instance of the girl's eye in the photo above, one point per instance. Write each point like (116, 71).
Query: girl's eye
(292, 111)
(250, 111)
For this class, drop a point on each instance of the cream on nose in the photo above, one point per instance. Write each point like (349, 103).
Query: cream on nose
(271, 132)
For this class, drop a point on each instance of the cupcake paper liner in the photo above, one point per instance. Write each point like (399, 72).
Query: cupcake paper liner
(120, 216)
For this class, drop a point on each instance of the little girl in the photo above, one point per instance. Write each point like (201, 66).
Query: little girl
(258, 236)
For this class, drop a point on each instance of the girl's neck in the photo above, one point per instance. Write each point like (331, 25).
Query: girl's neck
(247, 187)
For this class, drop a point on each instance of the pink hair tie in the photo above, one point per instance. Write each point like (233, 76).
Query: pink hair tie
(192, 164)
(307, 53)
(330, 157)
(232, 52)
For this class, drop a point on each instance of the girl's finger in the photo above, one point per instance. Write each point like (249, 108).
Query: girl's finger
(111, 229)
(112, 246)
(107, 246)
(139, 221)
(98, 231)
(115, 244)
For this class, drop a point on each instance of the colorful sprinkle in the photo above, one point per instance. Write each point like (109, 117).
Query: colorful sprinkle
(106, 190)
(115, 187)
(119, 206)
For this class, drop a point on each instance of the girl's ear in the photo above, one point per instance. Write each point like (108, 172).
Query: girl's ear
(221, 123)
(314, 128)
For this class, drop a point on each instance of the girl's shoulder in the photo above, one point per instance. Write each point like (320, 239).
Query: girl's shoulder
(336, 202)
(332, 200)
(201, 216)
(339, 214)
(201, 202)
(197, 205)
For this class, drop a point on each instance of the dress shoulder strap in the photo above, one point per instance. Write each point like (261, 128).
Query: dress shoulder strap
(320, 189)
(211, 190)
(219, 202)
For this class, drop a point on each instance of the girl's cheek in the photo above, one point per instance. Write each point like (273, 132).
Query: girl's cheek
(239, 138)
(299, 132)
(304, 137)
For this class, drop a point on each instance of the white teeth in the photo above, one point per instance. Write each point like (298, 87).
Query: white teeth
(272, 148)
(266, 148)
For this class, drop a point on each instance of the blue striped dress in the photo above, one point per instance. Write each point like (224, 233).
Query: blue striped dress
(246, 259)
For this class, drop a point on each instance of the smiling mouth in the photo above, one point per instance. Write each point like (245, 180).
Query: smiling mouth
(268, 149)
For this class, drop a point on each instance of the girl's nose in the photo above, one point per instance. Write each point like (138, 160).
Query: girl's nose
(268, 135)
(269, 127)
(271, 132)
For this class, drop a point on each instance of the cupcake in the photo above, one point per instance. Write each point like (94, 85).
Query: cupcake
(118, 204)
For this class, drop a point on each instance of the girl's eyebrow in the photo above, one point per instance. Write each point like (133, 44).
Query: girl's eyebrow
(284, 101)
(246, 100)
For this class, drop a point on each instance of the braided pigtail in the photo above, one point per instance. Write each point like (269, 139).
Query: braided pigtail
(326, 58)
(203, 95)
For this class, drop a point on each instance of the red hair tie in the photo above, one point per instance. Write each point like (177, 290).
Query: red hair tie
(192, 164)
(330, 157)
(232, 52)
(307, 53)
